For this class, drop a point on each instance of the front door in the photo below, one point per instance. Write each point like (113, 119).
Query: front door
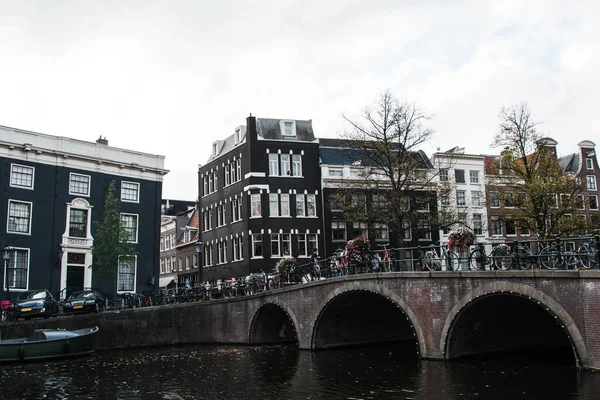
(75, 272)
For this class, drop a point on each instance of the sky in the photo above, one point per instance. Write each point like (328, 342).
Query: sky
(170, 77)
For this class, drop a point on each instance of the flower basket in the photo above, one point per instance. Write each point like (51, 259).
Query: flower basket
(357, 251)
(286, 266)
(460, 239)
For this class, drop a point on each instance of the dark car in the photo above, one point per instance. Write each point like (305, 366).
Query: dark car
(34, 303)
(91, 300)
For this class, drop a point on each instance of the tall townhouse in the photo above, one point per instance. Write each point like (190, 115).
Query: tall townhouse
(168, 256)
(343, 166)
(258, 197)
(187, 253)
(54, 189)
(584, 165)
(461, 184)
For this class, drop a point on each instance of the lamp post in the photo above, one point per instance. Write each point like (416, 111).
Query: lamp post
(6, 255)
(199, 250)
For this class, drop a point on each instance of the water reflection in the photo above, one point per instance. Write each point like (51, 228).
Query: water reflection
(283, 372)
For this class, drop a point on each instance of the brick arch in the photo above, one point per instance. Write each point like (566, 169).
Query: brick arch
(528, 292)
(276, 302)
(367, 286)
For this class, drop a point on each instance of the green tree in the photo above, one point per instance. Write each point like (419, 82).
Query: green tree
(543, 197)
(111, 242)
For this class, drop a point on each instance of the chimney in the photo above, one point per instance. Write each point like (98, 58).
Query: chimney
(103, 141)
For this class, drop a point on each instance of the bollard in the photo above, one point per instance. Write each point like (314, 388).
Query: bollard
(516, 255)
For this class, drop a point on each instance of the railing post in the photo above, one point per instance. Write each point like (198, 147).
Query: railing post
(516, 254)
(596, 246)
(419, 265)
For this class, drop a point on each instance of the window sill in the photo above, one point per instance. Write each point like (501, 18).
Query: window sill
(235, 222)
(257, 258)
(280, 216)
(237, 261)
(20, 233)
(307, 216)
(256, 217)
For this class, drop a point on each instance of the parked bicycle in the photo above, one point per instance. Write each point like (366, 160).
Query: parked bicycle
(553, 257)
(434, 261)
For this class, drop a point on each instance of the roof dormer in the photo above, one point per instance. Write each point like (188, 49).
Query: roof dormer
(239, 134)
(288, 128)
(217, 146)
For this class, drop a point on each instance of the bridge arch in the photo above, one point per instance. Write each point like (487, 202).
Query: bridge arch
(375, 291)
(273, 322)
(525, 292)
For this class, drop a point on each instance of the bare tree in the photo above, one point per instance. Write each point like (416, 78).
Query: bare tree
(544, 199)
(385, 139)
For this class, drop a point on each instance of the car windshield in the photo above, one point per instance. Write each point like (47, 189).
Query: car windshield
(32, 295)
(81, 295)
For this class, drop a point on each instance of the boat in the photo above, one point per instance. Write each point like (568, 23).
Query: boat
(46, 344)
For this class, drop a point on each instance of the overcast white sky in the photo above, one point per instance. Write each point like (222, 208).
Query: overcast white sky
(170, 77)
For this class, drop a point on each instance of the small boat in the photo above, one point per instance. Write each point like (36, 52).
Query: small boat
(49, 344)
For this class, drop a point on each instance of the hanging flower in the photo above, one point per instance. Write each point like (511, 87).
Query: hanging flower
(286, 266)
(460, 239)
(357, 250)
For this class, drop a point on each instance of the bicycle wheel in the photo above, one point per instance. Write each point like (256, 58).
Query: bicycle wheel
(587, 256)
(452, 261)
(431, 261)
(478, 260)
(501, 259)
(525, 261)
(550, 258)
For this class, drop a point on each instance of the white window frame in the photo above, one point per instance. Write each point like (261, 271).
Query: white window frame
(273, 164)
(337, 226)
(477, 224)
(494, 196)
(291, 124)
(474, 177)
(255, 206)
(273, 205)
(589, 163)
(137, 222)
(134, 276)
(227, 180)
(255, 241)
(137, 191)
(238, 169)
(461, 198)
(362, 227)
(275, 240)
(285, 168)
(238, 248)
(300, 201)
(89, 184)
(443, 175)
(297, 165)
(311, 199)
(590, 203)
(222, 252)
(383, 228)
(591, 182)
(12, 173)
(336, 172)
(30, 204)
(12, 260)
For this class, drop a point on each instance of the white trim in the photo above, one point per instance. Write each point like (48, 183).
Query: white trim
(137, 191)
(255, 175)
(89, 185)
(256, 187)
(134, 277)
(19, 186)
(137, 224)
(28, 233)
(28, 250)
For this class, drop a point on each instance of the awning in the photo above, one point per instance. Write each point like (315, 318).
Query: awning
(164, 282)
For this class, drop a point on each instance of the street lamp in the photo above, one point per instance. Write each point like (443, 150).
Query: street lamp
(6, 255)
(199, 250)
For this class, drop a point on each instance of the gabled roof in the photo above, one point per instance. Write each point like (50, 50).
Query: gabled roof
(192, 222)
(270, 129)
(225, 146)
(569, 163)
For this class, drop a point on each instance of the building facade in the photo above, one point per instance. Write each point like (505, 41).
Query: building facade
(54, 190)
(186, 251)
(259, 196)
(168, 253)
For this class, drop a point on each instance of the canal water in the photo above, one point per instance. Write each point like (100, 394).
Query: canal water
(284, 372)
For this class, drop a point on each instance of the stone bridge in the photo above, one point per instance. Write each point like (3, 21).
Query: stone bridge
(445, 314)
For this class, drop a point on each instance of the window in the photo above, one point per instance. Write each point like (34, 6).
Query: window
(126, 277)
(360, 229)
(208, 255)
(474, 176)
(378, 202)
(477, 224)
(255, 205)
(130, 223)
(360, 202)
(238, 170)
(296, 165)
(162, 243)
(207, 220)
(130, 191)
(307, 242)
(589, 163)
(276, 245)
(187, 262)
(288, 129)
(222, 252)
(380, 231)
(509, 200)
(279, 204)
(162, 265)
(257, 245)
(511, 227)
(273, 204)
(220, 215)
(496, 227)
(338, 231)
(227, 181)
(460, 198)
(423, 230)
(78, 223)
(238, 252)
(475, 198)
(285, 164)
(406, 233)
(238, 135)
(205, 181)
(494, 200)
(19, 217)
(459, 175)
(21, 176)
(17, 270)
(422, 204)
(336, 172)
(236, 209)
(593, 202)
(311, 205)
(215, 147)
(579, 202)
(300, 205)
(443, 174)
(335, 202)
(591, 182)
(79, 184)
(444, 199)
(273, 165)
(232, 176)
(524, 230)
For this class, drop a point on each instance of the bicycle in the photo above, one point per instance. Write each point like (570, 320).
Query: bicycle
(434, 262)
(478, 260)
(553, 257)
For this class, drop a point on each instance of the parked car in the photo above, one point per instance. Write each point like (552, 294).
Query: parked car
(34, 303)
(91, 300)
